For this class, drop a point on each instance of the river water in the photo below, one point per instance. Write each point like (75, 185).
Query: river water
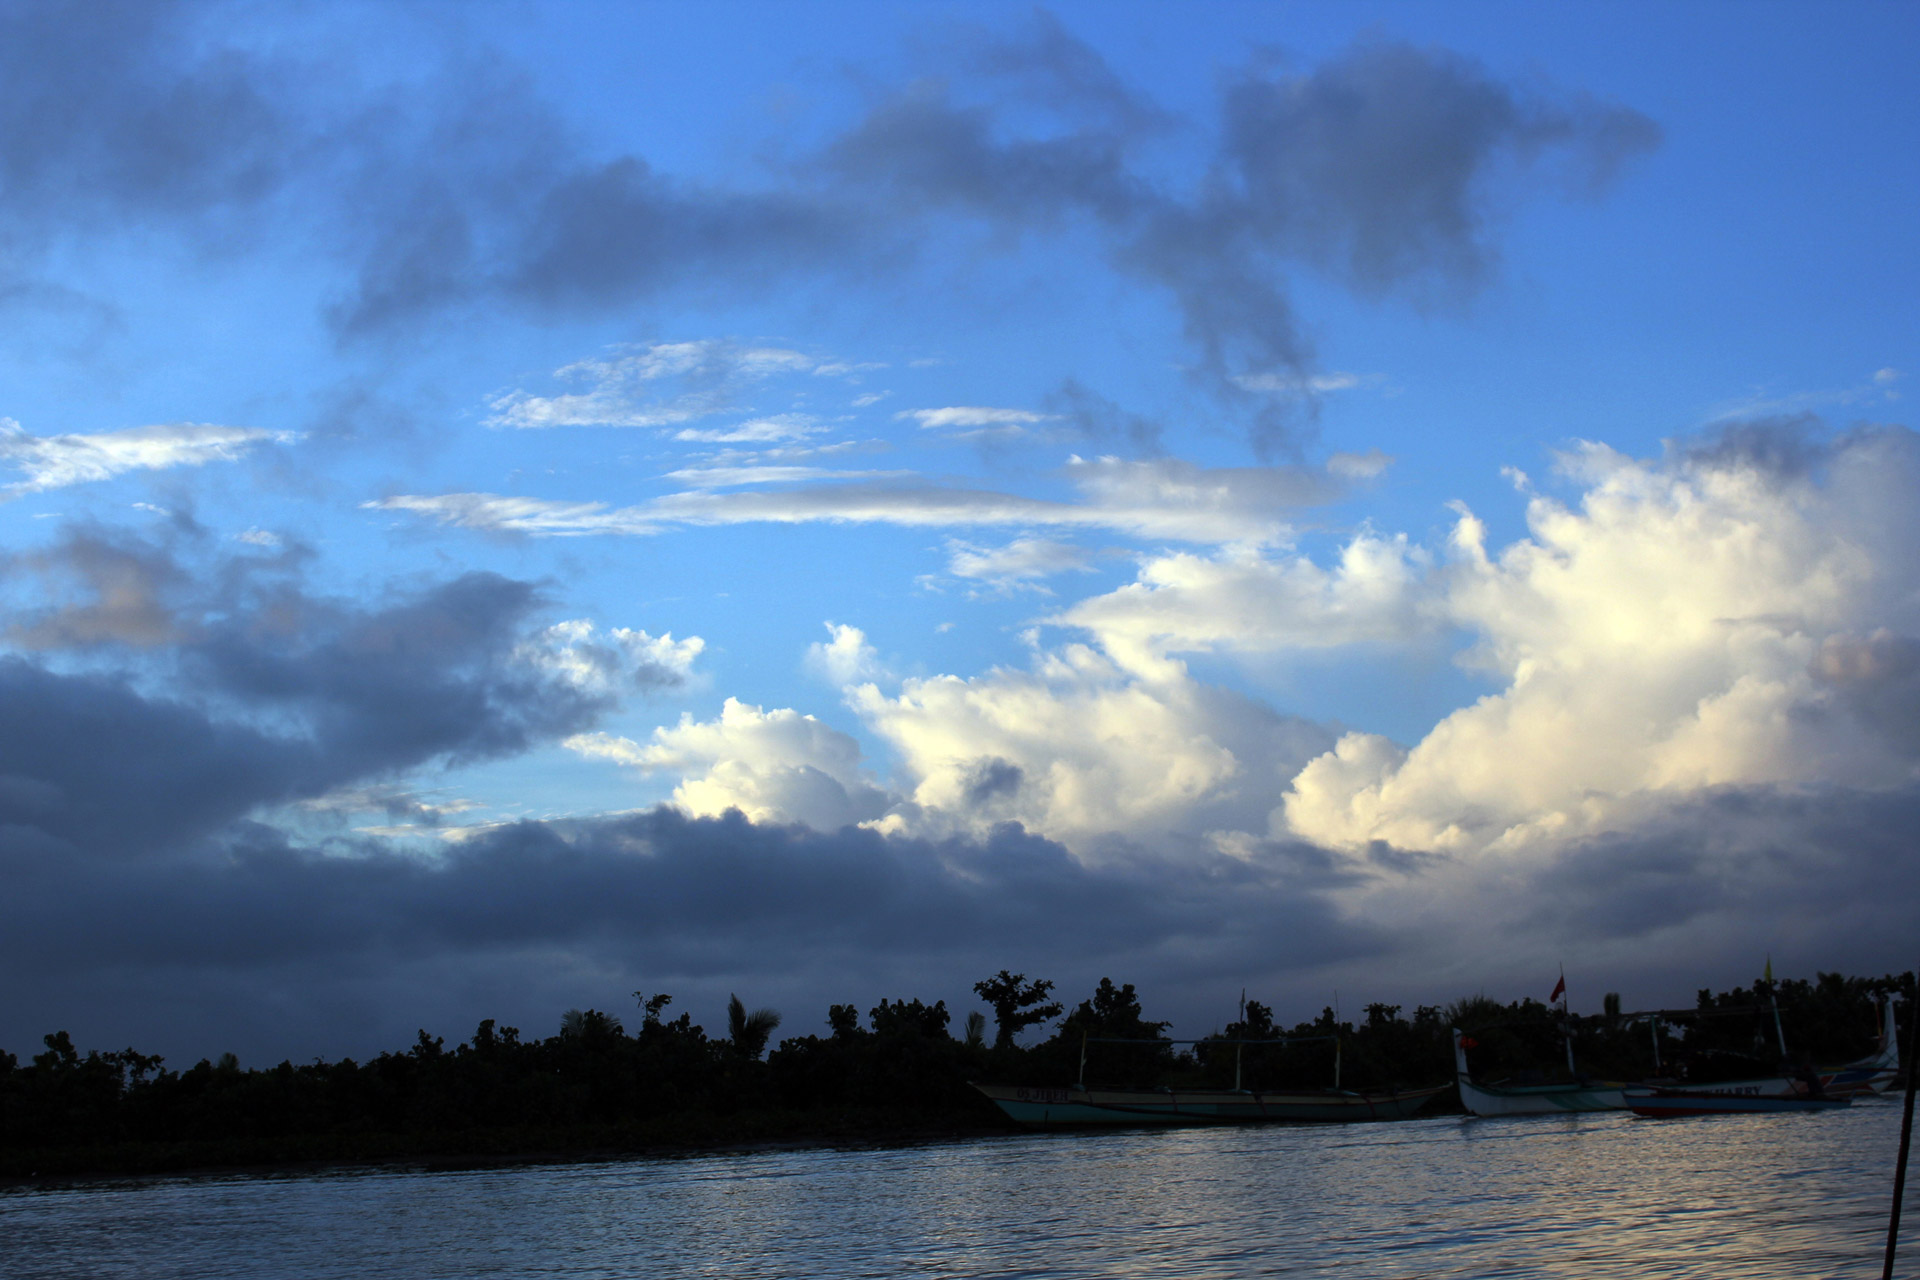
(1564, 1196)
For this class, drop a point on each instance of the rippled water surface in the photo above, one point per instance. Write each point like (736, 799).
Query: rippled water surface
(1573, 1196)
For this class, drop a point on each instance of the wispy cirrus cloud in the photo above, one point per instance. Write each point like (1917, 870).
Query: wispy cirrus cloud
(659, 386)
(1018, 564)
(970, 416)
(1154, 498)
(56, 462)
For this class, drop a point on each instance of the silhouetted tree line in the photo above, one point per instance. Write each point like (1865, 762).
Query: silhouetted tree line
(596, 1087)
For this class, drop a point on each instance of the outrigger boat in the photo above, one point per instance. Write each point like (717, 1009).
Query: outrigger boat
(1874, 1073)
(1050, 1108)
(1043, 1107)
(1871, 1074)
(1532, 1099)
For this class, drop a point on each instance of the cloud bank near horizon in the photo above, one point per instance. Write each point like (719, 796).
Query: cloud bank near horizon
(1731, 625)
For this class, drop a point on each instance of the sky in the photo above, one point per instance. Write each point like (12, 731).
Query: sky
(507, 506)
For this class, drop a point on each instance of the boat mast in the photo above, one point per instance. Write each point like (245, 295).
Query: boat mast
(1774, 1000)
(1238, 1049)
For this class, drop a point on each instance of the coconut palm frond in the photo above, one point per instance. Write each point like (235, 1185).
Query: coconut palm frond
(750, 1031)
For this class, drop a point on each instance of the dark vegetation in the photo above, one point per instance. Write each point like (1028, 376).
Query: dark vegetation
(597, 1089)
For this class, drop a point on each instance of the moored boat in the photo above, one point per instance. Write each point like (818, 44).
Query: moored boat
(1874, 1073)
(1057, 1107)
(1532, 1099)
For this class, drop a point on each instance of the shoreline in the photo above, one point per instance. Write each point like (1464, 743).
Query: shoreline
(479, 1150)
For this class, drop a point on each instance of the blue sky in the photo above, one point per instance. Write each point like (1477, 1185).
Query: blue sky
(508, 505)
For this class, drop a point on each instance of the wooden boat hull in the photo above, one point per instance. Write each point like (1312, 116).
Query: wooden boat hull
(1665, 1103)
(1053, 1108)
(1540, 1100)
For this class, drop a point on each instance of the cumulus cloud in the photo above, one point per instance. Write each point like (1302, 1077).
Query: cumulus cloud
(773, 766)
(845, 658)
(1709, 620)
(1082, 751)
(55, 462)
(622, 660)
(1241, 600)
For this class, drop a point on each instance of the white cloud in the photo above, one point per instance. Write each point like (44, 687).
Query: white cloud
(730, 477)
(1240, 600)
(774, 429)
(654, 386)
(971, 416)
(1017, 563)
(1690, 624)
(845, 657)
(1159, 498)
(54, 462)
(773, 766)
(1295, 384)
(538, 517)
(1081, 752)
(1359, 466)
(614, 662)
(1877, 389)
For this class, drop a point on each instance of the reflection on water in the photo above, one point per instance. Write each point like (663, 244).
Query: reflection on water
(1573, 1196)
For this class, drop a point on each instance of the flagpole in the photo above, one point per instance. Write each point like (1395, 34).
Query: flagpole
(1566, 1012)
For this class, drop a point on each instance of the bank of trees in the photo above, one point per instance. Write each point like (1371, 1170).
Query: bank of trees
(903, 1069)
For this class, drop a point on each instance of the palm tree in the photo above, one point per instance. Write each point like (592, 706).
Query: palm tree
(750, 1031)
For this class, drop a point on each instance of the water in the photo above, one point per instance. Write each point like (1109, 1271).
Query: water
(1574, 1196)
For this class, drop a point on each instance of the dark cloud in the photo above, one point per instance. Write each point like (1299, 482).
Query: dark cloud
(609, 234)
(460, 186)
(279, 695)
(1877, 679)
(1790, 447)
(1377, 168)
(654, 898)
(1048, 65)
(109, 111)
(1714, 881)
(1374, 166)
(276, 948)
(1103, 420)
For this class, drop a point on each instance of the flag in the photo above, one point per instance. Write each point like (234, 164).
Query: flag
(1559, 989)
(1769, 967)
